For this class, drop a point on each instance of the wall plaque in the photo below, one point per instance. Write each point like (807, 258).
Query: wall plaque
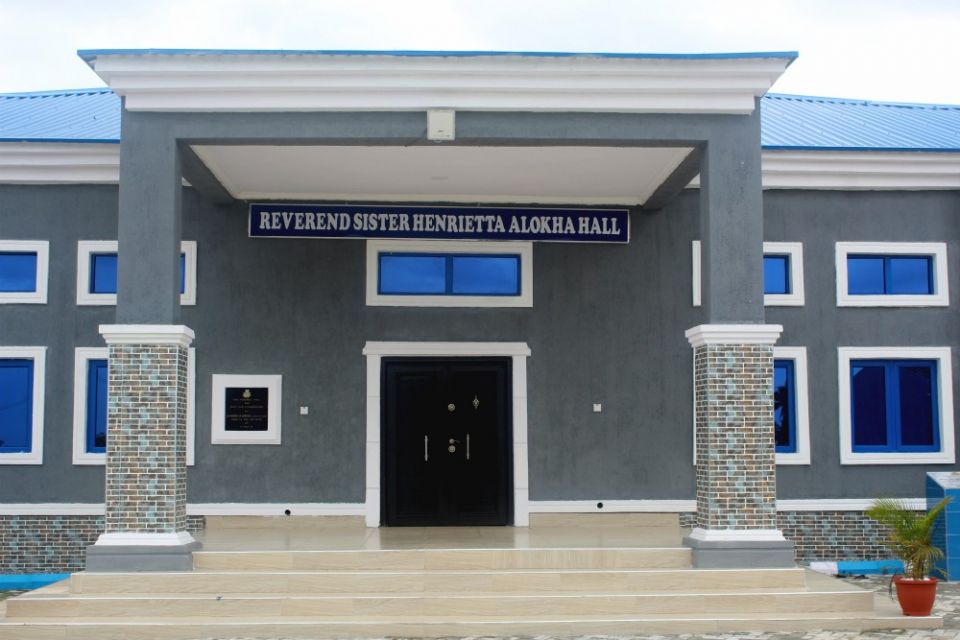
(246, 409)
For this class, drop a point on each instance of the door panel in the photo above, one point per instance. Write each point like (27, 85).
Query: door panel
(446, 442)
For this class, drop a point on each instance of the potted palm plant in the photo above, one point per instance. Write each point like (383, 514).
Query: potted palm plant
(910, 539)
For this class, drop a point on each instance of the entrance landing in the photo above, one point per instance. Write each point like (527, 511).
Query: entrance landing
(576, 531)
(563, 576)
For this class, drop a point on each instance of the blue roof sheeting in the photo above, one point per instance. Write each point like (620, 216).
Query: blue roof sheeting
(74, 115)
(789, 122)
(812, 123)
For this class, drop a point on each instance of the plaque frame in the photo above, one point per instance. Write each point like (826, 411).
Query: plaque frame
(220, 383)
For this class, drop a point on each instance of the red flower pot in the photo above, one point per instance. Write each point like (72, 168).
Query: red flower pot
(916, 596)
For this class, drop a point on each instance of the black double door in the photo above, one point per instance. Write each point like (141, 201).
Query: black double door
(446, 455)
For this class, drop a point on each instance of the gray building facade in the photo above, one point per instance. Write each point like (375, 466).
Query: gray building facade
(640, 373)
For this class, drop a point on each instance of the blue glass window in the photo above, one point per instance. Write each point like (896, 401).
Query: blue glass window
(449, 274)
(776, 274)
(784, 406)
(103, 273)
(96, 406)
(18, 271)
(894, 405)
(889, 275)
(16, 405)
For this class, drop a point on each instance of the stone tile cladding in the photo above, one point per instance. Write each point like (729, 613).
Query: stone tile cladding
(826, 535)
(53, 544)
(146, 439)
(736, 465)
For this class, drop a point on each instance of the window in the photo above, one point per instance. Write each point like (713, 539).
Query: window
(893, 274)
(782, 274)
(90, 405)
(21, 404)
(790, 417)
(896, 405)
(23, 271)
(449, 273)
(97, 272)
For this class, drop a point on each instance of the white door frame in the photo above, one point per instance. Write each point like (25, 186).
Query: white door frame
(517, 351)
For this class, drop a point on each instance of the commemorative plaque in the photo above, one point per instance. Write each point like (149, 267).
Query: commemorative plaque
(246, 409)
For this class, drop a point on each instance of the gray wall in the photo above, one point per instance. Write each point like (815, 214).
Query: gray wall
(607, 326)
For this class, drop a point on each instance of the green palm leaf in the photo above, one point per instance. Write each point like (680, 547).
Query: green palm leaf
(910, 533)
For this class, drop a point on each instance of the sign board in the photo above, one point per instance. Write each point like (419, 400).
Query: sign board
(439, 222)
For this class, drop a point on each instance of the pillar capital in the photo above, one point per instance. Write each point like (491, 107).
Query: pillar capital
(710, 334)
(154, 334)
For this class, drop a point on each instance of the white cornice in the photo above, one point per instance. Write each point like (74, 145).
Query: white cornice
(382, 82)
(710, 334)
(59, 163)
(857, 170)
(147, 334)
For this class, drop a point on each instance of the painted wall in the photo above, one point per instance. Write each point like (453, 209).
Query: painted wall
(607, 326)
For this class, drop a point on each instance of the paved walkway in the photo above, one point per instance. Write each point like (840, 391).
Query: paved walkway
(947, 605)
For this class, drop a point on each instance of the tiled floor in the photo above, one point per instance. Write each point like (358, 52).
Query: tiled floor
(293, 534)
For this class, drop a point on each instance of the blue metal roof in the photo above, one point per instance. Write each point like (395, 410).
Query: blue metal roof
(825, 124)
(789, 122)
(74, 115)
(88, 55)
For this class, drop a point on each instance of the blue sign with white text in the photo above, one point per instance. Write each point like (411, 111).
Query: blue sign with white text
(439, 222)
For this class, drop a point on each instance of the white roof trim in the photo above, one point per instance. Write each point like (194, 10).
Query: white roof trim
(99, 163)
(859, 170)
(331, 82)
(59, 163)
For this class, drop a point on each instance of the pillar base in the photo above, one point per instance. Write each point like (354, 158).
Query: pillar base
(114, 552)
(744, 549)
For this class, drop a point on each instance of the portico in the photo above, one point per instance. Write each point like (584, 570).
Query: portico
(544, 129)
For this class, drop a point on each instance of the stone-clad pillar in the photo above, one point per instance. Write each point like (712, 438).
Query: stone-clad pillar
(146, 471)
(733, 363)
(146, 488)
(736, 465)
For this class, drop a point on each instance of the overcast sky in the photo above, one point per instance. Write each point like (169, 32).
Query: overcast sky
(901, 50)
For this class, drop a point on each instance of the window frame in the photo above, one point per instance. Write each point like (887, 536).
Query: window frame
(944, 381)
(42, 249)
(521, 248)
(798, 355)
(794, 252)
(87, 248)
(38, 355)
(936, 251)
(82, 357)
(801, 399)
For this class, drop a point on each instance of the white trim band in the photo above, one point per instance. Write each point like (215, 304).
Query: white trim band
(299, 81)
(59, 163)
(710, 334)
(147, 334)
(613, 506)
(277, 509)
(133, 539)
(737, 535)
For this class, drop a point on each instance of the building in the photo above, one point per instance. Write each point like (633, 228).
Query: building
(303, 268)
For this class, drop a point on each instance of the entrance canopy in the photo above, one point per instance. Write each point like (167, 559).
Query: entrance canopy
(452, 167)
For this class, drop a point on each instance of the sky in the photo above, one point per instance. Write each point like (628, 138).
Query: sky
(893, 50)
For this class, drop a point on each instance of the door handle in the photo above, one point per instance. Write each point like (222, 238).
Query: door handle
(468, 446)
(426, 451)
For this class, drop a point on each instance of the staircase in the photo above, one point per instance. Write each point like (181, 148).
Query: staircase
(431, 589)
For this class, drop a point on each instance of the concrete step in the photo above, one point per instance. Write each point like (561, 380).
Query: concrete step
(417, 607)
(445, 559)
(444, 626)
(616, 581)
